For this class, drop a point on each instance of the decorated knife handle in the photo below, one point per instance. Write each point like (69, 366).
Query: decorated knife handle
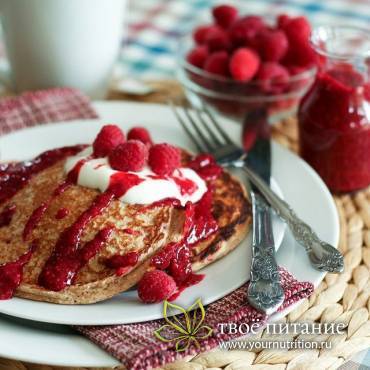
(322, 255)
(264, 291)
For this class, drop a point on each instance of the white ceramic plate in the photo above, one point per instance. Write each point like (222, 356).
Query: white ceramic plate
(221, 277)
(303, 189)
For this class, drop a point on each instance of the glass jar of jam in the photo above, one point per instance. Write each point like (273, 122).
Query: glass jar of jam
(334, 115)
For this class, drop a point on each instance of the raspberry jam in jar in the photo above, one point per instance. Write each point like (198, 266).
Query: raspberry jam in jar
(334, 115)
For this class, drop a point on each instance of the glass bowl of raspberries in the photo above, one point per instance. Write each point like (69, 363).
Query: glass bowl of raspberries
(238, 63)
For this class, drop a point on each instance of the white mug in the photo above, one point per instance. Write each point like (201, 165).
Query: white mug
(53, 43)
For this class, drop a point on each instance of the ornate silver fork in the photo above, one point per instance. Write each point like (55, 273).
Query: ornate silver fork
(213, 138)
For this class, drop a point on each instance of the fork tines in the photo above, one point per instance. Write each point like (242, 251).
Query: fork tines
(201, 127)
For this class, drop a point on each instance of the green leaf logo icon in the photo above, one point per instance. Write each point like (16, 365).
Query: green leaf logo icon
(186, 330)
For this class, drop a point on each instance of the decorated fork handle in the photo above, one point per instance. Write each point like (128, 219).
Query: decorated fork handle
(323, 256)
(264, 291)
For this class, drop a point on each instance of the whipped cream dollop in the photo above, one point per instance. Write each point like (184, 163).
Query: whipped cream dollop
(184, 184)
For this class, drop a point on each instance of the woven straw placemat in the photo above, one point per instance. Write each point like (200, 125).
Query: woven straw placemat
(341, 298)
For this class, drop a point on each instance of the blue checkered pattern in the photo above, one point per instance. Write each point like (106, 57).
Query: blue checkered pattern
(154, 27)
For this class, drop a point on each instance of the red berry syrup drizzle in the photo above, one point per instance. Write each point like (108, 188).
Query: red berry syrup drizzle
(187, 186)
(11, 274)
(64, 263)
(68, 258)
(62, 213)
(123, 263)
(7, 214)
(39, 212)
(175, 258)
(13, 178)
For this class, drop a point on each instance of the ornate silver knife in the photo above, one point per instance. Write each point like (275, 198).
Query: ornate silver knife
(265, 292)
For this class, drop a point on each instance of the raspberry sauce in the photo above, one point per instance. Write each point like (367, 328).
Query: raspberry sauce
(62, 213)
(63, 265)
(122, 263)
(334, 123)
(192, 279)
(130, 231)
(15, 176)
(11, 274)
(68, 258)
(334, 115)
(7, 214)
(203, 224)
(40, 211)
(175, 258)
(206, 167)
(186, 186)
(121, 182)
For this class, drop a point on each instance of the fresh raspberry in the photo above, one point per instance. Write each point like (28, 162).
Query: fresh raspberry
(206, 167)
(141, 134)
(271, 45)
(245, 29)
(224, 15)
(198, 55)
(273, 77)
(200, 33)
(218, 63)
(297, 30)
(244, 64)
(282, 20)
(164, 159)
(302, 55)
(156, 286)
(217, 39)
(129, 156)
(107, 139)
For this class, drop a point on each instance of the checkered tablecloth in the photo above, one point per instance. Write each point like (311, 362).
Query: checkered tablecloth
(154, 26)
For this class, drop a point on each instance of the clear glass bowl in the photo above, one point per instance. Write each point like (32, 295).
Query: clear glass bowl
(235, 99)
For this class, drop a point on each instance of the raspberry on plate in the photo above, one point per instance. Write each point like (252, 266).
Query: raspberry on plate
(156, 286)
(164, 159)
(271, 45)
(129, 156)
(224, 15)
(243, 30)
(218, 63)
(273, 77)
(198, 55)
(244, 64)
(107, 139)
(200, 33)
(141, 134)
